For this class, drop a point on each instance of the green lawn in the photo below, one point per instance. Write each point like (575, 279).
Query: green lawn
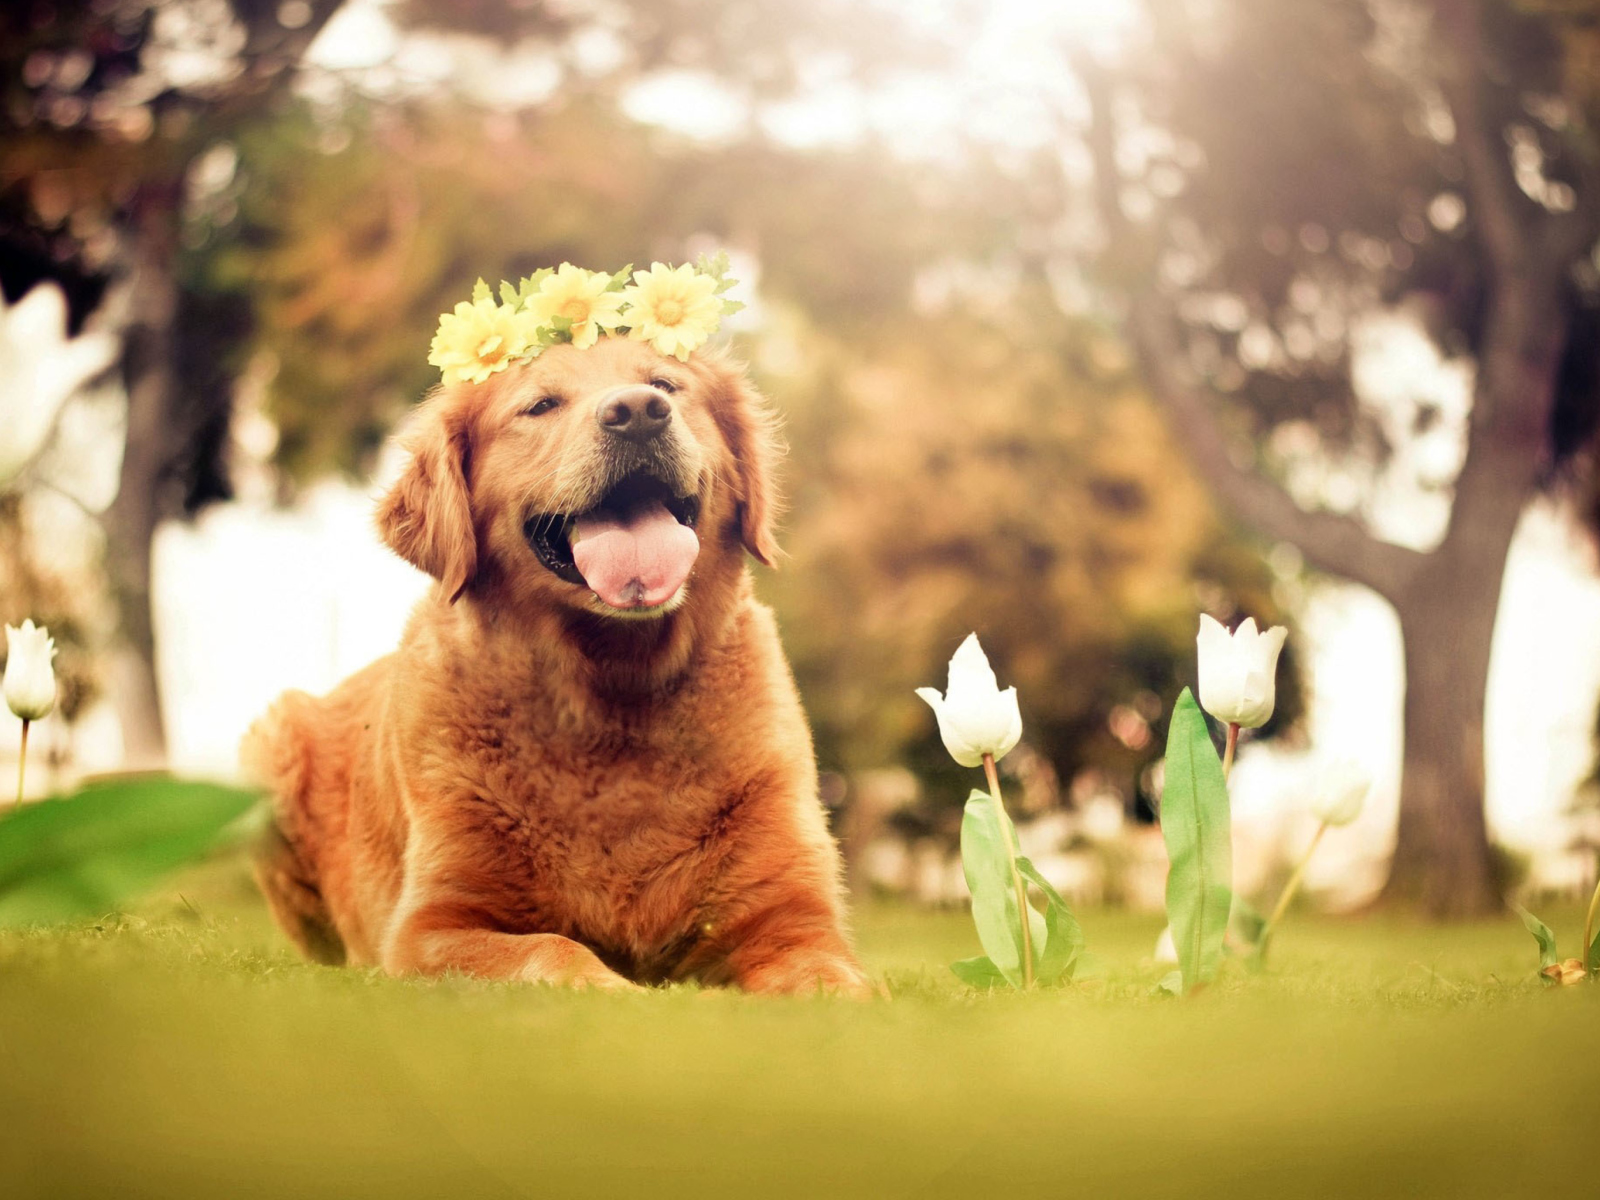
(184, 1051)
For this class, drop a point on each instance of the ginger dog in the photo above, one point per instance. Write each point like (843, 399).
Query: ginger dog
(586, 763)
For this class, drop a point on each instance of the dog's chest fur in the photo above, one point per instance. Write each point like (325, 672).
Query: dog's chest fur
(616, 836)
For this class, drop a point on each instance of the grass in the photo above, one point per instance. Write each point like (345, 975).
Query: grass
(184, 1051)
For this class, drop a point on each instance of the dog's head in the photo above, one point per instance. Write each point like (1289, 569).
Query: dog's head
(611, 480)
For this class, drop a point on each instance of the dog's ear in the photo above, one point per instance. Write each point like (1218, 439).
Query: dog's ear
(751, 431)
(426, 517)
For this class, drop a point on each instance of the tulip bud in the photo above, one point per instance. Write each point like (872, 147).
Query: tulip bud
(1238, 672)
(30, 680)
(975, 716)
(1340, 793)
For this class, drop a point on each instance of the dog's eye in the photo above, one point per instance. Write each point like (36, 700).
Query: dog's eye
(663, 385)
(542, 406)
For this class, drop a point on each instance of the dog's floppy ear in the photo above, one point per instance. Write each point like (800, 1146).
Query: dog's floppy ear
(426, 517)
(750, 429)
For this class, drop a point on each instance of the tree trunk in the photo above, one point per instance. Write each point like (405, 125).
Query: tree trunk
(1442, 858)
(1442, 861)
(1447, 598)
(130, 523)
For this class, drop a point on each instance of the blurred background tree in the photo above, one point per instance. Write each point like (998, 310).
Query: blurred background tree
(1267, 177)
(109, 111)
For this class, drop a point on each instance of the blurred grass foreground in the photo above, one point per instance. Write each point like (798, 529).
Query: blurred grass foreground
(182, 1050)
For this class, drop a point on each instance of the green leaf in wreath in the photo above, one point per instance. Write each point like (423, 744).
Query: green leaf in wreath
(87, 854)
(1195, 824)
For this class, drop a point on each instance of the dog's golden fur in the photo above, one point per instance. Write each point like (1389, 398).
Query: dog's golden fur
(532, 787)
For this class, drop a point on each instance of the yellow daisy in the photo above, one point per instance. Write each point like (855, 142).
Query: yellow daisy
(581, 297)
(481, 337)
(675, 310)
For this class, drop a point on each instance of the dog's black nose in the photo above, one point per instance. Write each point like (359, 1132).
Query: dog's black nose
(638, 412)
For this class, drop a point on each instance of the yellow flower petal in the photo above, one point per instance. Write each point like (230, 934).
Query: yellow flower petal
(581, 297)
(481, 337)
(674, 309)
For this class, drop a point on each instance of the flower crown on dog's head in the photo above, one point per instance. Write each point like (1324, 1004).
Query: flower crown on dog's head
(675, 309)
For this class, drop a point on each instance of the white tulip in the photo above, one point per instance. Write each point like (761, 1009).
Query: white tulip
(30, 682)
(1340, 792)
(1238, 672)
(975, 716)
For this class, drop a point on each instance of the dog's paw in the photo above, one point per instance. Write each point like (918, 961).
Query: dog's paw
(604, 980)
(812, 973)
(565, 963)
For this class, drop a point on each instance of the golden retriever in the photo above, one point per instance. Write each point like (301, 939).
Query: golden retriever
(586, 763)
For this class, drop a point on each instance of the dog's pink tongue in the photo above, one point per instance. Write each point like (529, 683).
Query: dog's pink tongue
(636, 560)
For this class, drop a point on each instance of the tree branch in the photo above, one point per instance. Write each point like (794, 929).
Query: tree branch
(1491, 186)
(1338, 544)
(1334, 543)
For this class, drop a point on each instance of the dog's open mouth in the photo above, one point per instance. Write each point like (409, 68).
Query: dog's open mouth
(634, 550)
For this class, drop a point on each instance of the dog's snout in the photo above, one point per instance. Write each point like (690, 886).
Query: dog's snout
(638, 412)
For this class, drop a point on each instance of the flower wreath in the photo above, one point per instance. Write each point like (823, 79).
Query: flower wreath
(675, 309)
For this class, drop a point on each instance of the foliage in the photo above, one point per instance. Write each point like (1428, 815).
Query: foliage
(90, 853)
(1195, 823)
(1057, 941)
(957, 473)
(1541, 933)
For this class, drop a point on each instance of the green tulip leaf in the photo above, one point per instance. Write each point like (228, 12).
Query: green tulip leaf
(1591, 962)
(1056, 954)
(89, 853)
(979, 972)
(1171, 984)
(994, 900)
(1541, 934)
(1195, 824)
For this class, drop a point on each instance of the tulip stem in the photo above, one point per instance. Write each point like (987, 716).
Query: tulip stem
(1289, 890)
(1588, 929)
(22, 758)
(1228, 749)
(1021, 889)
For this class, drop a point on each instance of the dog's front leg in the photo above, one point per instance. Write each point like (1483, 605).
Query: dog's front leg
(433, 940)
